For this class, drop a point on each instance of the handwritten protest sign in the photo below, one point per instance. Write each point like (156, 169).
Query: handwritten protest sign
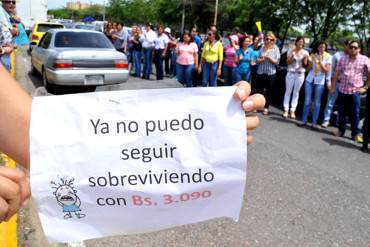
(128, 162)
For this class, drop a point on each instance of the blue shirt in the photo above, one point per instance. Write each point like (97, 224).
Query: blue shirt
(197, 41)
(244, 64)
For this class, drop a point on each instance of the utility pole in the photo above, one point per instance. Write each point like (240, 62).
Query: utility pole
(216, 13)
(104, 11)
(183, 16)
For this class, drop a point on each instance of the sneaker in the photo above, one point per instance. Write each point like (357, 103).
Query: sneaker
(266, 112)
(325, 125)
(359, 139)
(285, 115)
(292, 115)
(302, 124)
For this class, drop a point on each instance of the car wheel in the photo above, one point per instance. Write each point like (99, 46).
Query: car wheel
(34, 70)
(49, 87)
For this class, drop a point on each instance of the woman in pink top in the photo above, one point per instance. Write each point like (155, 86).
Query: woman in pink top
(187, 59)
(229, 61)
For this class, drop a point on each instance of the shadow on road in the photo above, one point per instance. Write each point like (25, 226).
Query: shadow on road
(340, 142)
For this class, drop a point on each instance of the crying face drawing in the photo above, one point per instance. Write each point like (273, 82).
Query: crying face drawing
(66, 196)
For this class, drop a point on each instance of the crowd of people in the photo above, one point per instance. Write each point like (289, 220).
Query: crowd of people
(197, 60)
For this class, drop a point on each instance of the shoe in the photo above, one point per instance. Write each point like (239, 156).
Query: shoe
(325, 125)
(338, 133)
(285, 115)
(302, 124)
(315, 127)
(365, 150)
(358, 138)
(292, 115)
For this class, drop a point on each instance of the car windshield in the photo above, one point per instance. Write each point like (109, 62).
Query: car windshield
(43, 28)
(81, 40)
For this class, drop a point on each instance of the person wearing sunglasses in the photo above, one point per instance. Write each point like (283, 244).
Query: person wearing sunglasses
(268, 59)
(212, 58)
(9, 9)
(351, 71)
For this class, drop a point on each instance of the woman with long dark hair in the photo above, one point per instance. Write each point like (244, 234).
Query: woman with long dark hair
(319, 66)
(297, 61)
(211, 62)
(187, 59)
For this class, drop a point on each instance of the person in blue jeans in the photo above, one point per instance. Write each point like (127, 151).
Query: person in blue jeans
(187, 59)
(136, 51)
(319, 66)
(147, 40)
(244, 59)
(332, 97)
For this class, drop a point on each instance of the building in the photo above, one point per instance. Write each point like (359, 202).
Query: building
(77, 5)
(32, 11)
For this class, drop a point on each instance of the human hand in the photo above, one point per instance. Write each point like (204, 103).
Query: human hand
(219, 71)
(199, 69)
(14, 192)
(250, 103)
(363, 90)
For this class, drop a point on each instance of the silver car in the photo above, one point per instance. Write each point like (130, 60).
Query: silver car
(73, 57)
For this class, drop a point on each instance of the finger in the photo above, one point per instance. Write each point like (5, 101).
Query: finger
(15, 175)
(243, 90)
(25, 191)
(249, 139)
(254, 102)
(10, 191)
(4, 208)
(252, 122)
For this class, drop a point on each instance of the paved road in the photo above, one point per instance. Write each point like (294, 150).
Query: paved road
(304, 188)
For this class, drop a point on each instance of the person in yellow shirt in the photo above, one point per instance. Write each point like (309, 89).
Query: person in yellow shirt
(211, 61)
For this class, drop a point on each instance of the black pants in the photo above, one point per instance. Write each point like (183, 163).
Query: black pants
(168, 62)
(366, 130)
(264, 86)
(254, 78)
(158, 61)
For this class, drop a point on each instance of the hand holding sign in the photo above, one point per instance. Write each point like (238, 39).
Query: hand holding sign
(139, 162)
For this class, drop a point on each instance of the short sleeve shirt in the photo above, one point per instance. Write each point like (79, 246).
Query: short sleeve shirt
(186, 53)
(229, 57)
(297, 65)
(317, 75)
(244, 65)
(352, 73)
(161, 42)
(268, 68)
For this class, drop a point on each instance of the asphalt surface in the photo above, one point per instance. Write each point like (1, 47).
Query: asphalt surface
(304, 188)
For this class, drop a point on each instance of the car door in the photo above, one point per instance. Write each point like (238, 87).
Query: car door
(40, 54)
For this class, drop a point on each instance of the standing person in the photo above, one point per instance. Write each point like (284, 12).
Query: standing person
(197, 78)
(168, 57)
(7, 9)
(297, 61)
(332, 97)
(351, 71)
(108, 30)
(136, 50)
(211, 62)
(229, 61)
(366, 129)
(6, 47)
(267, 61)
(244, 59)
(254, 66)
(319, 66)
(147, 40)
(187, 59)
(120, 37)
(161, 45)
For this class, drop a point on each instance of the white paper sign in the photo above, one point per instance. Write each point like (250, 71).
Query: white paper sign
(128, 162)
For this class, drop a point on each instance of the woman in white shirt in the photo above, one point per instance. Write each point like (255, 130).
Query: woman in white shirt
(297, 61)
(319, 65)
(161, 44)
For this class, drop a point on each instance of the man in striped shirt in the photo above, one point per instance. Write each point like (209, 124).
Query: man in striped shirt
(351, 71)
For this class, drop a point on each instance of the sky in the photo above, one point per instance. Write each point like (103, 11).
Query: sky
(53, 4)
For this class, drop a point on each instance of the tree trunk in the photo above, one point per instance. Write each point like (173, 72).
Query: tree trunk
(216, 14)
